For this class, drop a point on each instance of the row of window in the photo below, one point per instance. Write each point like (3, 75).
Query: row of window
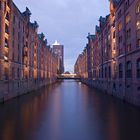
(129, 69)
(137, 25)
(106, 73)
(137, 9)
(128, 48)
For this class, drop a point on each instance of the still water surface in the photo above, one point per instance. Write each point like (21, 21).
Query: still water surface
(68, 110)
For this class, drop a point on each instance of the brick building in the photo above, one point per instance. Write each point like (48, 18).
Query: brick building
(24, 54)
(114, 56)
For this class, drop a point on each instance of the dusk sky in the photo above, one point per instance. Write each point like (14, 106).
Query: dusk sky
(66, 21)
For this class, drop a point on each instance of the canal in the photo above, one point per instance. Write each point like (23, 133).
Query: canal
(68, 110)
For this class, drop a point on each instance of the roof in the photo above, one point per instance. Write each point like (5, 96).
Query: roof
(91, 36)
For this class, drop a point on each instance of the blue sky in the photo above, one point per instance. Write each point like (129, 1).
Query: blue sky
(66, 21)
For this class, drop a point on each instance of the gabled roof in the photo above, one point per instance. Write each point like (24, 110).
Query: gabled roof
(97, 28)
(91, 36)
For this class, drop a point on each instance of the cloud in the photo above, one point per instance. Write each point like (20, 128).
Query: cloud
(67, 21)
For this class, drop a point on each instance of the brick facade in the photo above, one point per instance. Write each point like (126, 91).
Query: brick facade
(114, 56)
(26, 60)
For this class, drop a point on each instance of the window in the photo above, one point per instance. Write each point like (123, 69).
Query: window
(13, 31)
(114, 34)
(6, 43)
(128, 48)
(109, 72)
(5, 6)
(6, 76)
(120, 39)
(6, 29)
(6, 56)
(105, 72)
(13, 56)
(138, 43)
(138, 68)
(99, 73)
(119, 14)
(113, 24)
(19, 36)
(129, 69)
(127, 19)
(7, 16)
(0, 5)
(120, 70)
(19, 24)
(120, 26)
(8, 2)
(14, 19)
(138, 25)
(138, 9)
(13, 73)
(128, 33)
(127, 3)
(18, 71)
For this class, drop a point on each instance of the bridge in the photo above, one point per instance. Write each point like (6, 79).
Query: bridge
(68, 76)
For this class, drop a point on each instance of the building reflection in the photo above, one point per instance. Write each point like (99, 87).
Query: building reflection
(68, 110)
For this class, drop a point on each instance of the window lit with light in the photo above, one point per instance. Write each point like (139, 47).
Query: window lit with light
(120, 70)
(127, 18)
(120, 26)
(138, 43)
(129, 69)
(138, 25)
(138, 9)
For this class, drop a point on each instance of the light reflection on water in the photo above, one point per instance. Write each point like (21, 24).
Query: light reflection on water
(68, 110)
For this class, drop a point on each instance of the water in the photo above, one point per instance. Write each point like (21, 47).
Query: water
(68, 110)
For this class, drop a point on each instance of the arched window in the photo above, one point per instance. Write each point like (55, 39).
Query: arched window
(138, 68)
(105, 72)
(120, 70)
(129, 69)
(109, 72)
